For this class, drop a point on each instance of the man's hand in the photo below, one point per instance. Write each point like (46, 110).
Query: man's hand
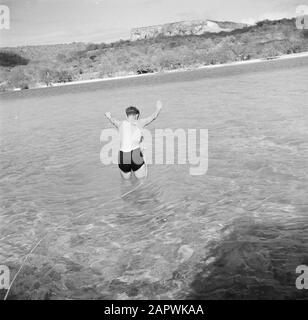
(159, 105)
(148, 120)
(115, 122)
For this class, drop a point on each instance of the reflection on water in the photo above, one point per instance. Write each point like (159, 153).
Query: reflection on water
(239, 231)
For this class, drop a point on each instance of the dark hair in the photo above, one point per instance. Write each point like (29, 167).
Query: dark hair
(132, 111)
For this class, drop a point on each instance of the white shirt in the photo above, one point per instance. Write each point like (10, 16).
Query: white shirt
(130, 136)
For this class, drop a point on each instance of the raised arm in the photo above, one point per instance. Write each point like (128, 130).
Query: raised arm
(146, 121)
(113, 121)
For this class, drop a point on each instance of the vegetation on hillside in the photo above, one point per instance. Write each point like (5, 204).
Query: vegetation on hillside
(26, 67)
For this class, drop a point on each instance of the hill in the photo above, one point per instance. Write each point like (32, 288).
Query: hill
(184, 28)
(26, 67)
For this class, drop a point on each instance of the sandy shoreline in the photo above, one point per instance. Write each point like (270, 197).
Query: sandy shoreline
(235, 63)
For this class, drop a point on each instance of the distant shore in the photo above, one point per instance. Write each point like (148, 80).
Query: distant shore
(235, 63)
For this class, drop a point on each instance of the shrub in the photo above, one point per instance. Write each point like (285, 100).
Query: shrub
(269, 51)
(46, 76)
(106, 68)
(168, 60)
(18, 78)
(143, 69)
(92, 46)
(61, 57)
(62, 76)
(8, 59)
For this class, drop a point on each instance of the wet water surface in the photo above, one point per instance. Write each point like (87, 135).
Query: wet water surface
(238, 231)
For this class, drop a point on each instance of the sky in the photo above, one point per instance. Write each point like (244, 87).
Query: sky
(35, 22)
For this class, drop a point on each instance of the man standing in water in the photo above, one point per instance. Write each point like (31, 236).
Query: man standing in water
(130, 154)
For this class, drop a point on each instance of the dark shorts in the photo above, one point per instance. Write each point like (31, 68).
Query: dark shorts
(130, 161)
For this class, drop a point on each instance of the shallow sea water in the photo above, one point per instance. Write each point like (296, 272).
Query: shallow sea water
(239, 231)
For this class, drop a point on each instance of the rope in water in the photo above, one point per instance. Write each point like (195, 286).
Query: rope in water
(39, 242)
(20, 268)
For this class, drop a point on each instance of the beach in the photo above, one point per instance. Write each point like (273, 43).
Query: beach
(231, 64)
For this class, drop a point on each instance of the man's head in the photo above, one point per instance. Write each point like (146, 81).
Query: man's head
(132, 112)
